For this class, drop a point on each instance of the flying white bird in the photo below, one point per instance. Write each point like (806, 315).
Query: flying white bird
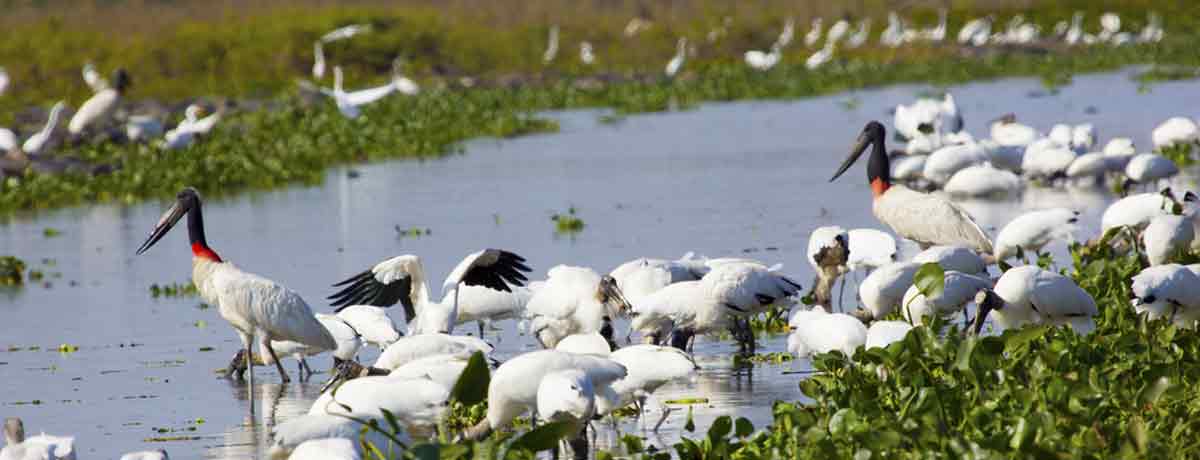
(345, 32)
(1029, 295)
(350, 103)
(256, 307)
(927, 219)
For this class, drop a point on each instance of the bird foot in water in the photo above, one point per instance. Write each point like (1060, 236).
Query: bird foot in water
(237, 366)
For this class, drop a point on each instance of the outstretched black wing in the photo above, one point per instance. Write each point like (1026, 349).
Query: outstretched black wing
(365, 289)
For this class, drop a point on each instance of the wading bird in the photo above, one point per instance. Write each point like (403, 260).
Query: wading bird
(99, 108)
(927, 219)
(1030, 232)
(37, 143)
(574, 300)
(255, 306)
(40, 447)
(648, 368)
(1030, 295)
(676, 62)
(1169, 291)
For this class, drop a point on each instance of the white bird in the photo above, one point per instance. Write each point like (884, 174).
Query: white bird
(958, 289)
(1117, 152)
(1089, 165)
(1151, 33)
(893, 35)
(828, 251)
(957, 258)
(1167, 238)
(589, 344)
(870, 249)
(1149, 168)
(93, 78)
(99, 108)
(414, 347)
(760, 60)
(860, 35)
(514, 385)
(326, 449)
(157, 454)
(1083, 137)
(641, 277)
(344, 32)
(838, 30)
(943, 163)
(1110, 24)
(927, 219)
(5, 80)
(648, 368)
(442, 369)
(372, 323)
(922, 117)
(817, 331)
(184, 134)
(975, 32)
(982, 180)
(1007, 132)
(814, 34)
(1074, 34)
(551, 45)
(256, 307)
(566, 396)
(883, 290)
(41, 447)
(1046, 159)
(1032, 231)
(819, 58)
(416, 403)
(676, 62)
(883, 333)
(318, 67)
(347, 338)
(350, 103)
(574, 300)
(586, 55)
(485, 305)
(1169, 291)
(938, 32)
(1136, 211)
(908, 168)
(1176, 130)
(37, 142)
(289, 435)
(402, 279)
(1029, 295)
(143, 127)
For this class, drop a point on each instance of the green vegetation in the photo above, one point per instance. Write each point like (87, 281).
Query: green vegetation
(185, 289)
(12, 271)
(567, 223)
(480, 65)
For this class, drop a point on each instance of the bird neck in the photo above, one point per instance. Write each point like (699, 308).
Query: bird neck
(200, 247)
(878, 169)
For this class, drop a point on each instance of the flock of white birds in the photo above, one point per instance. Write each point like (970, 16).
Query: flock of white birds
(581, 373)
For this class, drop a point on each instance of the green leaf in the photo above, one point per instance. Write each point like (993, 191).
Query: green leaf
(1019, 433)
(426, 451)
(1154, 390)
(720, 428)
(963, 361)
(472, 385)
(544, 437)
(743, 427)
(930, 280)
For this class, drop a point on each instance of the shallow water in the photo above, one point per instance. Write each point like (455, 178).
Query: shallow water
(746, 179)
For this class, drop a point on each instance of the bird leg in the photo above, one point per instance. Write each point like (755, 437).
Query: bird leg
(237, 367)
(666, 411)
(278, 365)
(250, 368)
(479, 431)
(480, 323)
(579, 444)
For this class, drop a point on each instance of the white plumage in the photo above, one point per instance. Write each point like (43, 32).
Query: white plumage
(442, 369)
(1167, 238)
(158, 454)
(958, 258)
(586, 55)
(648, 367)
(37, 142)
(975, 32)
(921, 117)
(883, 290)
(928, 219)
(641, 277)
(1169, 291)
(372, 323)
(883, 333)
(40, 447)
(1176, 130)
(416, 403)
(909, 168)
(870, 248)
(1046, 159)
(344, 32)
(817, 331)
(350, 103)
(893, 35)
(1029, 295)
(819, 58)
(347, 339)
(414, 347)
(982, 180)
(95, 111)
(588, 344)
(676, 62)
(958, 290)
(287, 436)
(326, 449)
(1033, 230)
(574, 300)
(943, 163)
(566, 396)
(551, 45)
(1148, 168)
(762, 60)
(860, 35)
(814, 33)
(1093, 164)
(1135, 211)
(1007, 132)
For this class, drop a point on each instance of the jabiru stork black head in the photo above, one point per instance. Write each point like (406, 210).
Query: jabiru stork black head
(187, 202)
(878, 170)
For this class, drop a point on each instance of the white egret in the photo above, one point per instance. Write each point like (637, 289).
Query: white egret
(838, 30)
(975, 32)
(256, 307)
(586, 55)
(345, 32)
(318, 67)
(760, 60)
(893, 35)
(860, 35)
(814, 33)
(787, 34)
(551, 45)
(5, 80)
(1151, 33)
(1030, 295)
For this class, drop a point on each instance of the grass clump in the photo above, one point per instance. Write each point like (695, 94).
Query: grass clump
(567, 223)
(12, 271)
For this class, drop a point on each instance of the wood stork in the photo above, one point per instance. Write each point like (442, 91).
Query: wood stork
(372, 324)
(641, 277)
(40, 447)
(1083, 137)
(828, 252)
(1046, 159)
(761, 60)
(442, 369)
(1005, 131)
(814, 33)
(326, 449)
(1029, 295)
(975, 32)
(676, 62)
(1167, 237)
(402, 279)
(883, 333)
(1176, 130)
(414, 347)
(574, 300)
(883, 290)
(870, 249)
(592, 343)
(37, 143)
(1151, 33)
(567, 396)
(838, 30)
(920, 217)
(817, 331)
(922, 116)
(289, 435)
(958, 289)
(908, 168)
(318, 67)
(347, 338)
(1149, 168)
(1135, 211)
(860, 35)
(156, 454)
(513, 388)
(1169, 291)
(958, 258)
(551, 45)
(416, 403)
(648, 368)
(253, 305)
(893, 35)
(99, 108)
(982, 180)
(943, 163)
(1030, 232)
(1089, 165)
(485, 305)
(586, 55)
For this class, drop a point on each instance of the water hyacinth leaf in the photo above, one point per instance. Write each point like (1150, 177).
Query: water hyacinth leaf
(471, 387)
(963, 361)
(426, 451)
(1024, 336)
(544, 437)
(720, 428)
(1154, 390)
(743, 427)
(930, 279)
